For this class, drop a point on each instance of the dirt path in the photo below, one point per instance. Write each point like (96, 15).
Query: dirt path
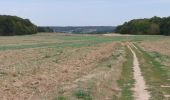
(140, 92)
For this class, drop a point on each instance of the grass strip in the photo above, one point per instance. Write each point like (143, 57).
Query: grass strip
(126, 81)
(154, 74)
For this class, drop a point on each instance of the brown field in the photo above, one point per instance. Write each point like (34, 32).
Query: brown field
(162, 46)
(69, 67)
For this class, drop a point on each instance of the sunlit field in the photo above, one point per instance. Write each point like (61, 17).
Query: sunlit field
(55, 66)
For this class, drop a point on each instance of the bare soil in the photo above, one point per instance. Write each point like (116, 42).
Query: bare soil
(39, 74)
(162, 46)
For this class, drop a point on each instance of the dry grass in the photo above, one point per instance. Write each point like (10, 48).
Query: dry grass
(50, 66)
(162, 46)
(155, 62)
(46, 73)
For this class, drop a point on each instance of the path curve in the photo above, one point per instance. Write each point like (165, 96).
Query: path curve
(140, 92)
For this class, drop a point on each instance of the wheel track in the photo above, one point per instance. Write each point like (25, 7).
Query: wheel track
(140, 92)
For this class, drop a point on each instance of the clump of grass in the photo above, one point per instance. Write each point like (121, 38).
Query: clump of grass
(85, 95)
(109, 66)
(60, 98)
(116, 55)
(46, 56)
(2, 73)
(56, 60)
(126, 80)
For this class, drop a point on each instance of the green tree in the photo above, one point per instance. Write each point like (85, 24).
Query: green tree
(13, 25)
(153, 26)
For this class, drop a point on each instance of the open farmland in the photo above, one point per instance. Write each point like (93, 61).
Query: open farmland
(49, 66)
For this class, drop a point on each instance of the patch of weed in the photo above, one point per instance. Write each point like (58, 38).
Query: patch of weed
(85, 95)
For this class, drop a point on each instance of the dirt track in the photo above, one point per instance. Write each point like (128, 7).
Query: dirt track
(140, 92)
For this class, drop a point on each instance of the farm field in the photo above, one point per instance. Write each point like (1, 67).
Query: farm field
(49, 66)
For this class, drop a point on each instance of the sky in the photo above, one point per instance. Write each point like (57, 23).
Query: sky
(84, 12)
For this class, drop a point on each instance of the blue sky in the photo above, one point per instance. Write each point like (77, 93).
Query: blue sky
(84, 12)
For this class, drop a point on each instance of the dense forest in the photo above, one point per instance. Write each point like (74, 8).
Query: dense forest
(152, 26)
(13, 25)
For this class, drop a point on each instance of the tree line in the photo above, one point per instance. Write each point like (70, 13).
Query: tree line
(45, 29)
(147, 26)
(13, 25)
